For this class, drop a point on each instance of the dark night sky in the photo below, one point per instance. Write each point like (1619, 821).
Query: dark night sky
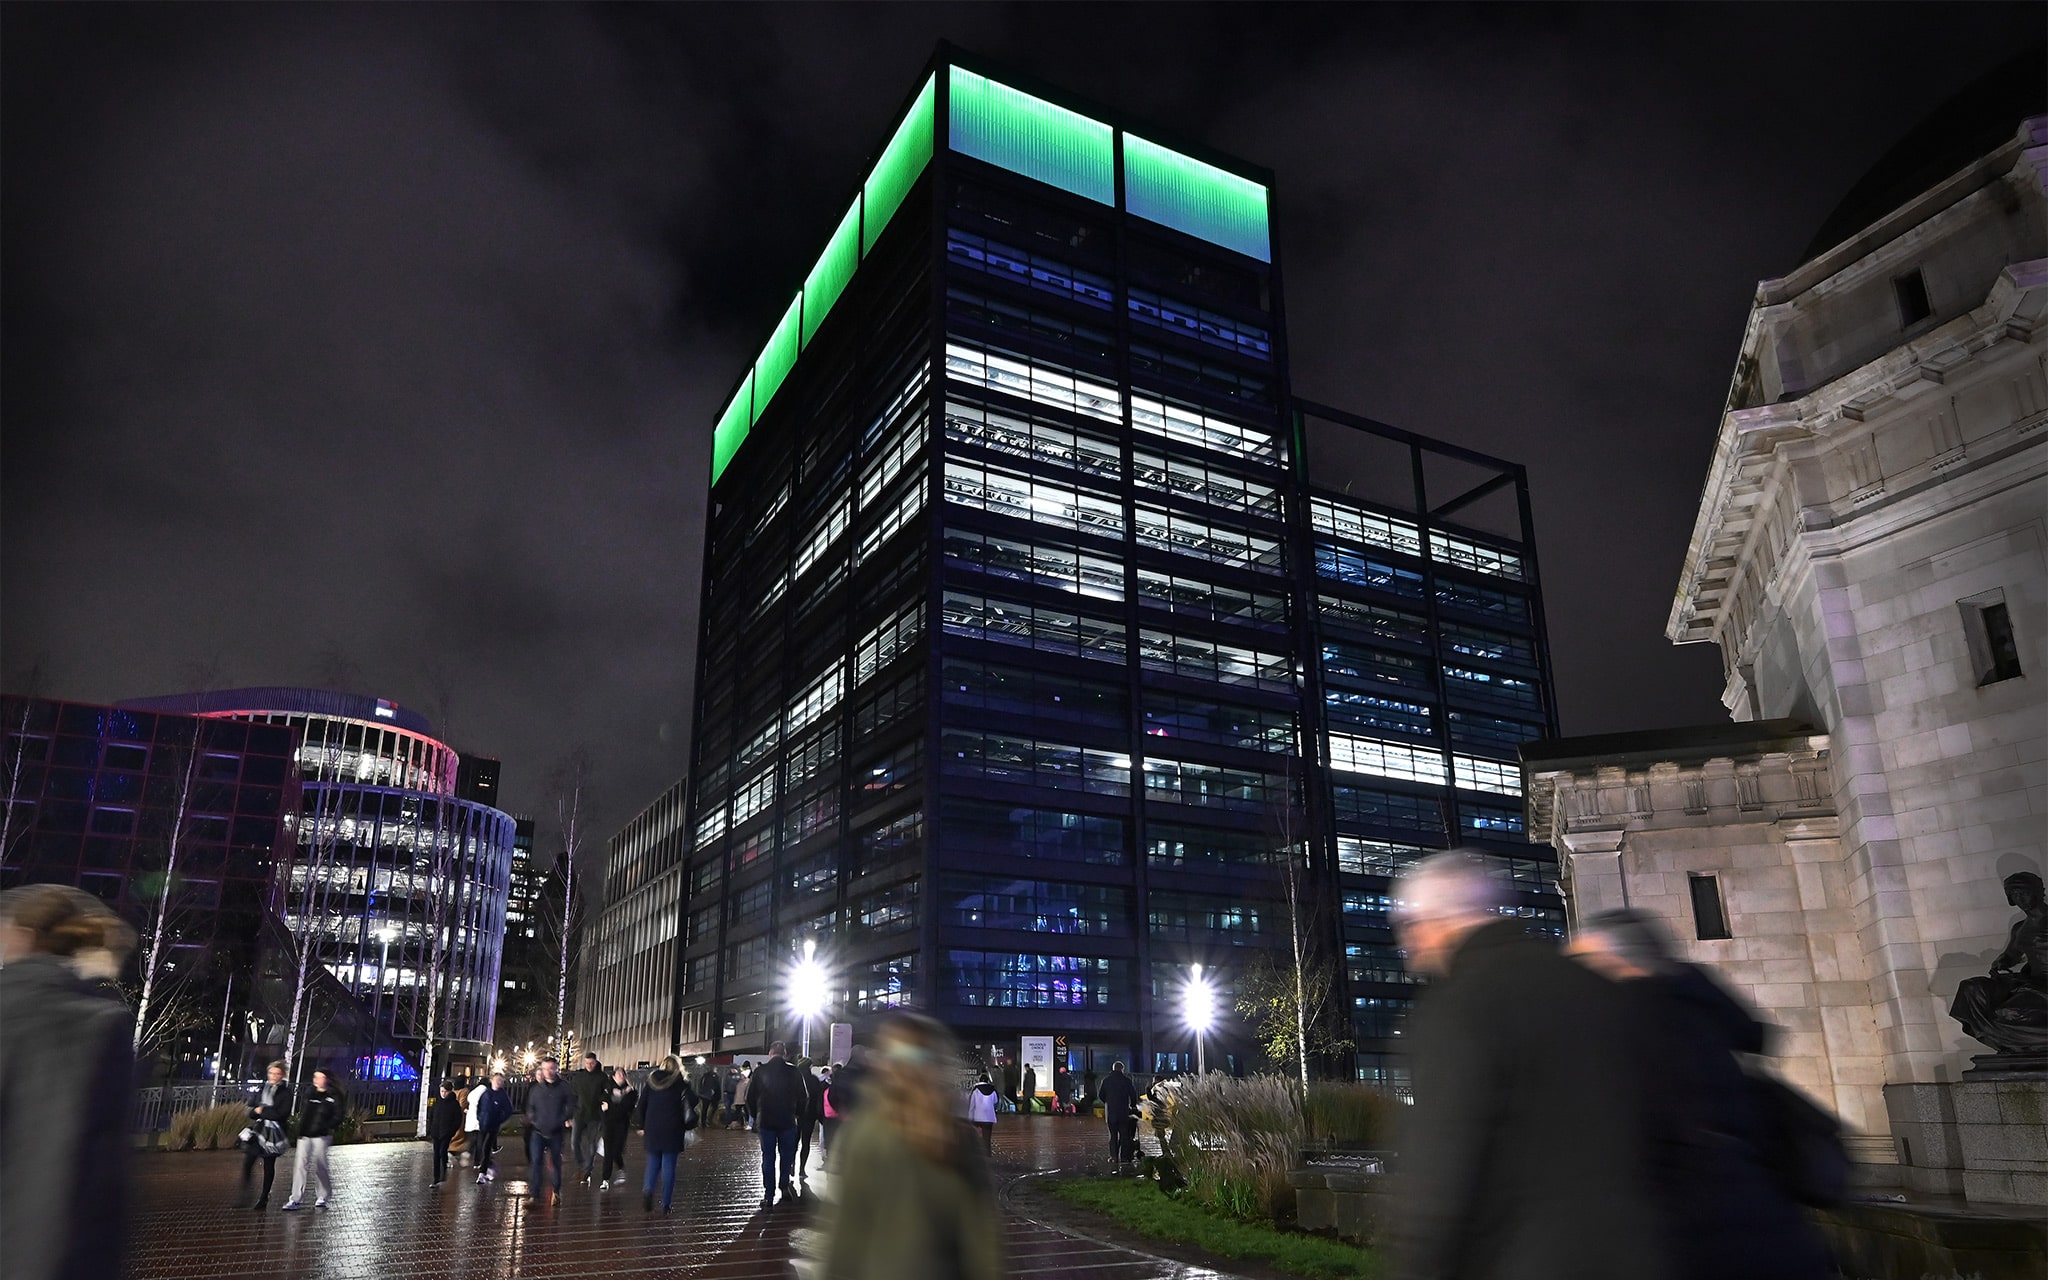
(380, 346)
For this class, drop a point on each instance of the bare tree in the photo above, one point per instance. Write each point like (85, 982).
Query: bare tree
(573, 816)
(31, 685)
(153, 959)
(175, 1009)
(440, 889)
(1290, 1006)
(309, 942)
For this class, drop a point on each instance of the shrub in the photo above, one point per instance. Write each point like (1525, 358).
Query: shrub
(1346, 1114)
(349, 1130)
(208, 1128)
(1234, 1142)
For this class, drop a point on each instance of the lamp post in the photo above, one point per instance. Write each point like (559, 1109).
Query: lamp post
(1198, 1009)
(807, 991)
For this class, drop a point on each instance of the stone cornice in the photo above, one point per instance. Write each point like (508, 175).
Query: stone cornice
(1587, 807)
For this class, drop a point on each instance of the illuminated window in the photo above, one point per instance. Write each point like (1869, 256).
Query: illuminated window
(1386, 759)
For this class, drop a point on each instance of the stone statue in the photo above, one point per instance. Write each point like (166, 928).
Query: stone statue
(2008, 1009)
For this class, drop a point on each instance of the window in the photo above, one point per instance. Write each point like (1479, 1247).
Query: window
(1202, 916)
(1049, 630)
(1030, 762)
(1214, 663)
(1709, 921)
(1375, 711)
(971, 826)
(1490, 821)
(1040, 501)
(1199, 482)
(1211, 602)
(1356, 664)
(890, 638)
(890, 910)
(889, 461)
(1911, 291)
(1000, 320)
(1376, 962)
(1476, 774)
(752, 902)
(1374, 621)
(1987, 629)
(1040, 563)
(1203, 849)
(1205, 430)
(983, 686)
(820, 537)
(1034, 906)
(1185, 535)
(1355, 567)
(893, 705)
(1482, 600)
(1385, 759)
(1361, 857)
(877, 779)
(816, 874)
(1476, 556)
(886, 984)
(753, 798)
(818, 697)
(1222, 723)
(1219, 380)
(1037, 381)
(1033, 271)
(1494, 646)
(1029, 436)
(1491, 686)
(1368, 806)
(1207, 785)
(897, 838)
(1007, 980)
(703, 925)
(1378, 1017)
(813, 758)
(746, 959)
(1476, 731)
(892, 521)
(1198, 324)
(1356, 524)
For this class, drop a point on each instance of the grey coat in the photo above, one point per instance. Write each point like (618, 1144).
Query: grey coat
(66, 1079)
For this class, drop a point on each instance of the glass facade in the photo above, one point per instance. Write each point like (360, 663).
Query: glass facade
(1026, 613)
(625, 993)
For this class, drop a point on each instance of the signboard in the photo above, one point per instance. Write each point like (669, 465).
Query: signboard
(842, 1042)
(1037, 1056)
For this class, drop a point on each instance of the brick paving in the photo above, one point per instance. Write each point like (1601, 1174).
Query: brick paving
(192, 1223)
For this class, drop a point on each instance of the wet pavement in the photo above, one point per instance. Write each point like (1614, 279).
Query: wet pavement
(192, 1221)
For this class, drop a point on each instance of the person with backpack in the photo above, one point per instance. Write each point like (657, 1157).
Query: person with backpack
(668, 1111)
(1725, 1210)
(320, 1115)
(619, 1098)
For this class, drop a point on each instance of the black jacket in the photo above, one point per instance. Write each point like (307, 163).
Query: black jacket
(548, 1107)
(1119, 1098)
(845, 1089)
(320, 1113)
(280, 1108)
(495, 1109)
(619, 1101)
(1524, 1154)
(444, 1116)
(589, 1088)
(776, 1096)
(665, 1107)
(814, 1097)
(708, 1088)
(1722, 1214)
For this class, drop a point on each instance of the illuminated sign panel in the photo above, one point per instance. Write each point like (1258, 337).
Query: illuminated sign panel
(908, 152)
(1031, 136)
(1200, 199)
(777, 358)
(834, 271)
(732, 427)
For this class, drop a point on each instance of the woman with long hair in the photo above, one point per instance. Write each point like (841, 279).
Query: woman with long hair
(912, 1198)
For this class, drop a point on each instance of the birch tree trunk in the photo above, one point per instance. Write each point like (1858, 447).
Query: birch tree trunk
(152, 965)
(439, 888)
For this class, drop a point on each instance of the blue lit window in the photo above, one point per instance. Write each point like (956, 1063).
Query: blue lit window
(1200, 325)
(1359, 569)
(1034, 271)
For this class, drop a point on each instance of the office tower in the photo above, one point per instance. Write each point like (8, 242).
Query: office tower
(1037, 620)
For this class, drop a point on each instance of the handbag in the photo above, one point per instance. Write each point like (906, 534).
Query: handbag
(270, 1137)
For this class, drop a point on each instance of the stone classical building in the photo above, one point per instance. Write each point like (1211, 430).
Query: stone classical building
(1869, 558)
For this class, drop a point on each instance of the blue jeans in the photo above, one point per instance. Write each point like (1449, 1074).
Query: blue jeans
(665, 1162)
(774, 1141)
(540, 1146)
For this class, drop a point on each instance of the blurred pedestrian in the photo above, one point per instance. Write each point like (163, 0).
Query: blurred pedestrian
(666, 1117)
(708, 1095)
(320, 1113)
(1524, 1153)
(740, 1094)
(776, 1100)
(912, 1196)
(270, 1105)
(1063, 1091)
(619, 1099)
(492, 1110)
(981, 1112)
(1120, 1109)
(728, 1089)
(444, 1121)
(828, 1108)
(1028, 1095)
(549, 1106)
(472, 1126)
(66, 1075)
(807, 1124)
(1723, 1215)
(587, 1127)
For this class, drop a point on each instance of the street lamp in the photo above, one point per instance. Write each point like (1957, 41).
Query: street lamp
(807, 990)
(1198, 1009)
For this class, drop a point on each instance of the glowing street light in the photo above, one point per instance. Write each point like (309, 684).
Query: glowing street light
(807, 990)
(1198, 1010)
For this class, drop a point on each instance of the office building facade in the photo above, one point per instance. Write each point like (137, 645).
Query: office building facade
(385, 852)
(1037, 625)
(626, 988)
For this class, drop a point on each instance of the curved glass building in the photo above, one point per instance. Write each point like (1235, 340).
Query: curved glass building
(384, 852)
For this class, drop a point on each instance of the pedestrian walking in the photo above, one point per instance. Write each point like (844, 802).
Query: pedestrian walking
(549, 1108)
(828, 1108)
(666, 1117)
(1063, 1091)
(588, 1085)
(1029, 1094)
(776, 1099)
(619, 1099)
(66, 1074)
(913, 1196)
(1524, 1151)
(807, 1123)
(740, 1093)
(1722, 1213)
(1120, 1109)
(270, 1105)
(708, 1093)
(472, 1126)
(444, 1121)
(492, 1110)
(728, 1089)
(981, 1112)
(320, 1113)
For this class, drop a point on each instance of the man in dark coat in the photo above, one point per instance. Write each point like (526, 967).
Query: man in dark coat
(1120, 1108)
(66, 1078)
(776, 1099)
(1722, 1213)
(1028, 1095)
(549, 1106)
(589, 1087)
(807, 1124)
(1524, 1154)
(492, 1111)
